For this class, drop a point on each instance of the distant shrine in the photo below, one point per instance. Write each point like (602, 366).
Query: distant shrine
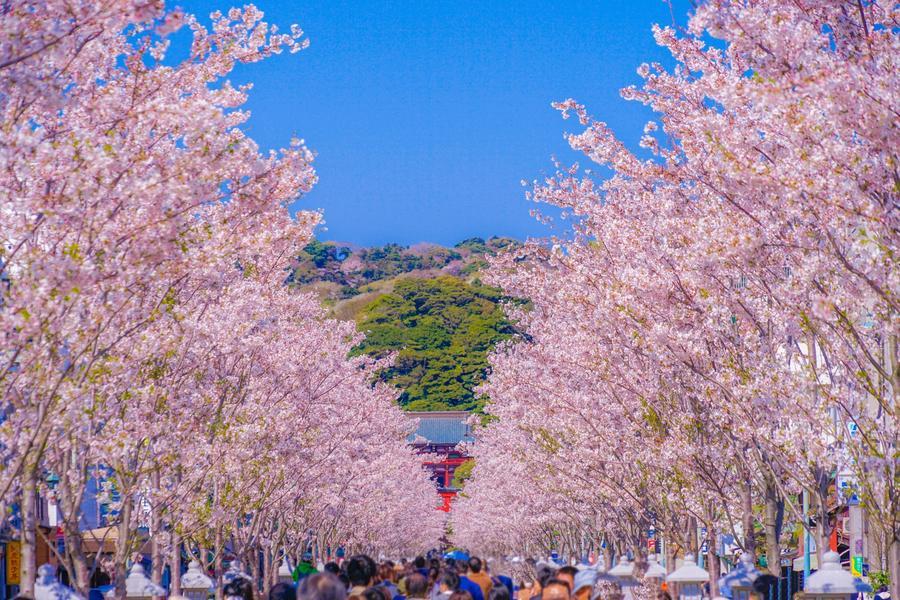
(440, 434)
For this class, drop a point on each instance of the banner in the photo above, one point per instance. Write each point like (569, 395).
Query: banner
(13, 562)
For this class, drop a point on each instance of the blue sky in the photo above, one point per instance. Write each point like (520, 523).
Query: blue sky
(426, 115)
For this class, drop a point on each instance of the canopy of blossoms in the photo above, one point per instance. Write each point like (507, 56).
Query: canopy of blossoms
(718, 335)
(149, 339)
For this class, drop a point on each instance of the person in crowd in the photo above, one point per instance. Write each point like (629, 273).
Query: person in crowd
(477, 574)
(500, 579)
(342, 576)
(360, 572)
(556, 589)
(321, 586)
(419, 564)
(543, 574)
(434, 581)
(283, 591)
(499, 592)
(385, 578)
(238, 589)
(467, 584)
(332, 567)
(449, 583)
(416, 587)
(376, 593)
(583, 584)
(304, 568)
(460, 595)
(567, 574)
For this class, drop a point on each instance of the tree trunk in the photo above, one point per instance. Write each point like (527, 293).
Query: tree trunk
(823, 521)
(773, 521)
(693, 545)
(28, 571)
(254, 569)
(712, 558)
(893, 556)
(80, 579)
(218, 563)
(267, 571)
(175, 564)
(748, 521)
(156, 554)
(122, 550)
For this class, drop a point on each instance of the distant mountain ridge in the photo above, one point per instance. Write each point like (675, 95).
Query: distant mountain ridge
(353, 267)
(424, 303)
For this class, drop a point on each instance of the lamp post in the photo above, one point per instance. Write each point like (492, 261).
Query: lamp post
(655, 572)
(831, 582)
(602, 573)
(738, 584)
(195, 584)
(689, 579)
(138, 586)
(624, 573)
(48, 588)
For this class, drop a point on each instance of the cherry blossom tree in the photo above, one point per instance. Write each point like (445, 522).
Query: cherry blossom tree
(149, 338)
(726, 304)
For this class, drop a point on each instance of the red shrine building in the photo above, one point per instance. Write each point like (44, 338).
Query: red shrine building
(440, 434)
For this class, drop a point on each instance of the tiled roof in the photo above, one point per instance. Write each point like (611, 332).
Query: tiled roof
(447, 427)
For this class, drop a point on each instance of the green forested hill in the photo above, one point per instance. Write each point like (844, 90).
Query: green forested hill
(442, 330)
(424, 303)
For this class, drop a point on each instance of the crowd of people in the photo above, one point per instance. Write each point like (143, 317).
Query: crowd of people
(362, 578)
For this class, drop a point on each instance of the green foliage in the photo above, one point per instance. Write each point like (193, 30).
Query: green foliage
(441, 330)
(326, 261)
(462, 473)
(879, 579)
(319, 261)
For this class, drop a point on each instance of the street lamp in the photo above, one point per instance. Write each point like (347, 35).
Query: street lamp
(602, 573)
(138, 586)
(655, 572)
(831, 582)
(689, 579)
(738, 584)
(195, 584)
(48, 588)
(624, 572)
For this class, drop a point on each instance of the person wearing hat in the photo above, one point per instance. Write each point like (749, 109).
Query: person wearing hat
(584, 584)
(304, 568)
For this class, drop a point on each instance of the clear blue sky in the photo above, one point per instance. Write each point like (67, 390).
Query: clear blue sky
(425, 115)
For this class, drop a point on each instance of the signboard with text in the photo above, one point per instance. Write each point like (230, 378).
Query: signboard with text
(13, 562)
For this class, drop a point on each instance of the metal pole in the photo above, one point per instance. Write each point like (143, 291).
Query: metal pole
(806, 538)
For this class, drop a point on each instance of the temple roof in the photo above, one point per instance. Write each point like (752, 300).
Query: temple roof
(445, 427)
